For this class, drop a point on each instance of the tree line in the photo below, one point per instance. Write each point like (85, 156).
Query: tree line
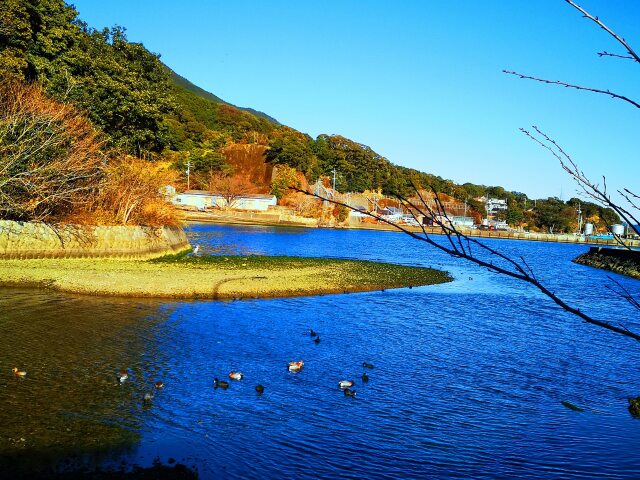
(145, 110)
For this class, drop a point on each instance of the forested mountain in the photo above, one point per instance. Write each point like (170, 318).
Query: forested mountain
(182, 82)
(144, 109)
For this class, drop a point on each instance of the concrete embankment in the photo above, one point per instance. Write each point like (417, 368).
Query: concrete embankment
(625, 262)
(22, 240)
(250, 218)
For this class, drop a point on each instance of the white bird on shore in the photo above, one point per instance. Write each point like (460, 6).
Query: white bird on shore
(196, 249)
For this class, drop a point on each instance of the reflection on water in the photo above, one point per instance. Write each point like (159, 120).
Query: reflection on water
(70, 401)
(468, 380)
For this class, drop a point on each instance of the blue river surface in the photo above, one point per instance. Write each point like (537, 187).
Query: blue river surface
(468, 382)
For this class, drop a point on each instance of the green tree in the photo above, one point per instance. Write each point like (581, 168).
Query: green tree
(290, 147)
(123, 87)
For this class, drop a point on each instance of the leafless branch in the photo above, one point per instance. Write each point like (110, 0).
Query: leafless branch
(607, 54)
(621, 40)
(577, 87)
(594, 191)
(623, 292)
(452, 248)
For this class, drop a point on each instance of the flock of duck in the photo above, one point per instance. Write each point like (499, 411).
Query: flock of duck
(346, 386)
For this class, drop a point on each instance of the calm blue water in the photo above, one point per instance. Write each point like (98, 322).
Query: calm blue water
(468, 380)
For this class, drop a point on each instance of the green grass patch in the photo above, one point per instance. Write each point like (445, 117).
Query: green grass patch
(361, 271)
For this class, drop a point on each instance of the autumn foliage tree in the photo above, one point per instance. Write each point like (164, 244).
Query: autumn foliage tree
(230, 187)
(50, 155)
(54, 168)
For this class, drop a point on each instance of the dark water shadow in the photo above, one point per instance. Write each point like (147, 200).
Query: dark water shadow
(70, 408)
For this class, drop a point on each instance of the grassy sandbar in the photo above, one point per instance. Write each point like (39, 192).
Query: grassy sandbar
(213, 277)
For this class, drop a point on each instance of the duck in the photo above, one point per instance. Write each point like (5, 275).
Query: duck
(350, 393)
(220, 383)
(365, 377)
(122, 376)
(316, 340)
(159, 384)
(236, 375)
(295, 366)
(367, 365)
(18, 373)
(259, 389)
(312, 332)
(344, 384)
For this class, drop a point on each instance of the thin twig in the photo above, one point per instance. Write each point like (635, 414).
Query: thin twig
(453, 251)
(621, 40)
(607, 54)
(577, 87)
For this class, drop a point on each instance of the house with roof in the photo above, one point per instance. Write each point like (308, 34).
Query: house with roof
(202, 199)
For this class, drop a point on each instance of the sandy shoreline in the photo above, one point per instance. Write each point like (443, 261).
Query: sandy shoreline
(213, 277)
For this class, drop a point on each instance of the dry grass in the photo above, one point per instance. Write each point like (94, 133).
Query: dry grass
(129, 194)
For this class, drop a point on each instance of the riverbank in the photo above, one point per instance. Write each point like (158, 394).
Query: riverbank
(278, 219)
(213, 277)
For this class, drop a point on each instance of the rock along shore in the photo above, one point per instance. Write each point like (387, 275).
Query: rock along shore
(625, 262)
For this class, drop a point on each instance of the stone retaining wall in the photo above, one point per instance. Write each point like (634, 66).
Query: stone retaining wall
(38, 240)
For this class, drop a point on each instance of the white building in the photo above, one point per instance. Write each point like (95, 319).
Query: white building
(494, 205)
(202, 200)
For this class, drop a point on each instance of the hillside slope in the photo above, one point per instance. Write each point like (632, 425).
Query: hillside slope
(187, 85)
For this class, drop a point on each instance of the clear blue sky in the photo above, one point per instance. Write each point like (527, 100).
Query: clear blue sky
(419, 81)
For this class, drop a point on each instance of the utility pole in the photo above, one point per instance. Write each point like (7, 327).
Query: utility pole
(579, 219)
(189, 175)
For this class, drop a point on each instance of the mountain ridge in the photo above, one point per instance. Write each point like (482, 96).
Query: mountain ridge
(188, 85)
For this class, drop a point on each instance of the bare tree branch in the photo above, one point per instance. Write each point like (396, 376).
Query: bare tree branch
(452, 248)
(577, 87)
(607, 54)
(623, 292)
(591, 189)
(621, 40)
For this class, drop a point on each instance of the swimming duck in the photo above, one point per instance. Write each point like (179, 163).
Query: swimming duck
(312, 332)
(367, 365)
(344, 384)
(295, 366)
(259, 389)
(220, 383)
(122, 376)
(159, 384)
(18, 373)
(316, 340)
(236, 375)
(349, 393)
(365, 377)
